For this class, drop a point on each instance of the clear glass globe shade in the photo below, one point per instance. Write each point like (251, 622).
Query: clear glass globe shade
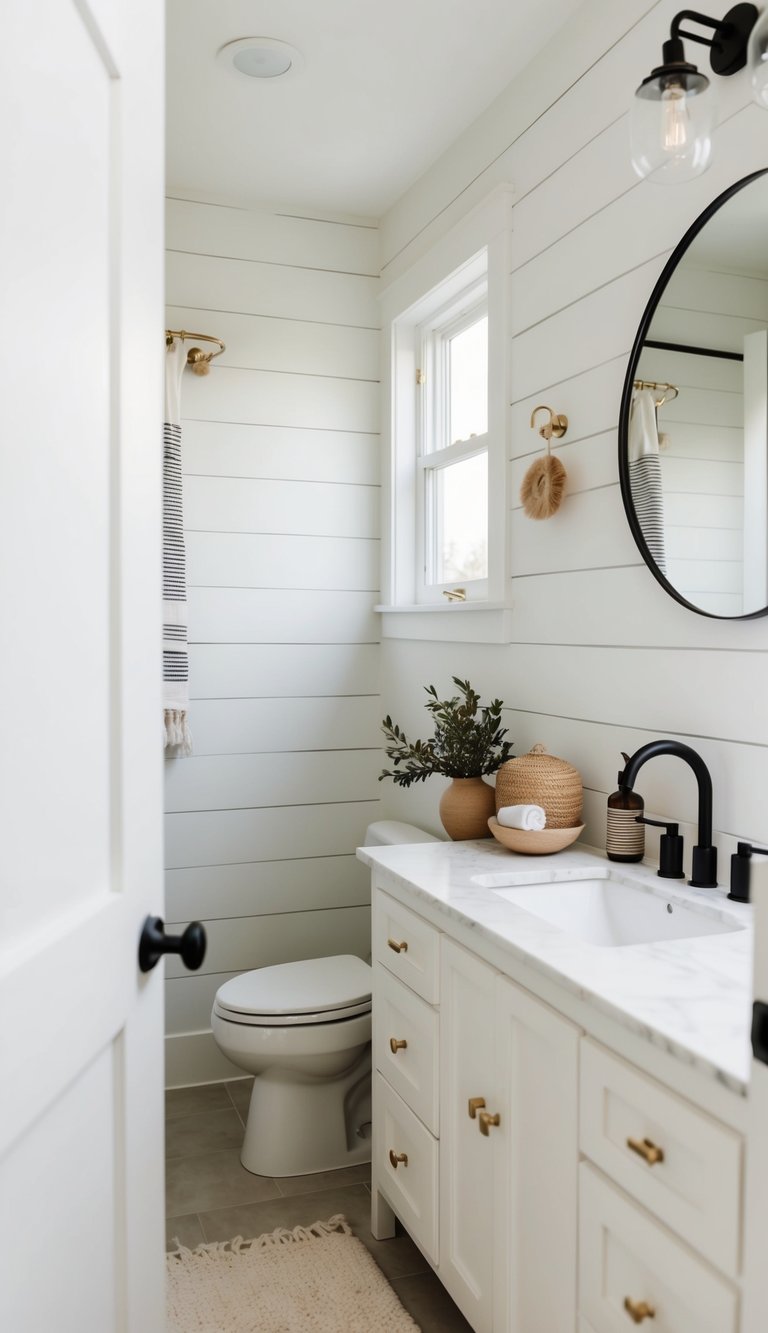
(671, 128)
(757, 60)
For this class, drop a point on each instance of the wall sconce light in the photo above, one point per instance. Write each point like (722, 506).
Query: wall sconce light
(673, 112)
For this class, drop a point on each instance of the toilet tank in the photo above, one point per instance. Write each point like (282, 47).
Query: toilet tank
(390, 832)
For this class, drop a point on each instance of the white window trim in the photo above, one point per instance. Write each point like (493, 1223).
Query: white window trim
(474, 249)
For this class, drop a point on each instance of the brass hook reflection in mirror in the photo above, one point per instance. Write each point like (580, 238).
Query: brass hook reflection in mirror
(557, 424)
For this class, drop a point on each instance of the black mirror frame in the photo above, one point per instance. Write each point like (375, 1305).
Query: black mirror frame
(626, 396)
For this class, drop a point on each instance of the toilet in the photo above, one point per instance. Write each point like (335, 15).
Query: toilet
(304, 1030)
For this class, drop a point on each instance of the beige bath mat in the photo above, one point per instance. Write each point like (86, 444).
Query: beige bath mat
(318, 1279)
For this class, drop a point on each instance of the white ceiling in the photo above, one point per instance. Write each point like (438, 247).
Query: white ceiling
(387, 86)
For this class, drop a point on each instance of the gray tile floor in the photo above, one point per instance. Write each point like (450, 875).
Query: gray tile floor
(210, 1196)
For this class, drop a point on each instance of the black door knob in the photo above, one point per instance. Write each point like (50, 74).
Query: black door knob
(154, 943)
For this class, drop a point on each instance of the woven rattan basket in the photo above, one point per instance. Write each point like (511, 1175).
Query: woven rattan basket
(538, 778)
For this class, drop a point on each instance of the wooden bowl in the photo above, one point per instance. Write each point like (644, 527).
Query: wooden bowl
(533, 842)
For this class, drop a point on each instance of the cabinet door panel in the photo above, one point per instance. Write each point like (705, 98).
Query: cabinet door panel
(536, 1055)
(466, 1156)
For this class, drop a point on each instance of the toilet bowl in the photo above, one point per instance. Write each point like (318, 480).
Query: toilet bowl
(303, 1029)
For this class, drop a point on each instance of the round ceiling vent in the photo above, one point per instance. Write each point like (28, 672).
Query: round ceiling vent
(262, 58)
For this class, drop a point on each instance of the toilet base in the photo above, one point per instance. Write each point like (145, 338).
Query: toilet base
(299, 1125)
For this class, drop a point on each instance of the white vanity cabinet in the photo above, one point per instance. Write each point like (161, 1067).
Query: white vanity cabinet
(484, 1177)
(555, 1186)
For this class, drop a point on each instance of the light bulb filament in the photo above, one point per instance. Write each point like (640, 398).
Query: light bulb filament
(676, 121)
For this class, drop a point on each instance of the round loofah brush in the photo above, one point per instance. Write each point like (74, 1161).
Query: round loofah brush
(543, 487)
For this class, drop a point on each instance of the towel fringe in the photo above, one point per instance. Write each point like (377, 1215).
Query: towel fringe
(336, 1225)
(178, 737)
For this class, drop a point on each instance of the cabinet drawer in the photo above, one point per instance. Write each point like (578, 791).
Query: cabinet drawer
(410, 1187)
(402, 1018)
(696, 1187)
(625, 1256)
(407, 946)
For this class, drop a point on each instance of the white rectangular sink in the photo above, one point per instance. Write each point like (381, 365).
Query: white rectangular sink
(604, 910)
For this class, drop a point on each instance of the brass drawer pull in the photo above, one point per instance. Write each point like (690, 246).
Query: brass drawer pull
(474, 1105)
(396, 1157)
(486, 1120)
(401, 947)
(638, 1310)
(395, 1045)
(647, 1150)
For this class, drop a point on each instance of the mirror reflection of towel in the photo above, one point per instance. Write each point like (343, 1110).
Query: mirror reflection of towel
(645, 474)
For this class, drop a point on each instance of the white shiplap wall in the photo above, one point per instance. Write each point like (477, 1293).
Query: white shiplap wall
(601, 659)
(281, 493)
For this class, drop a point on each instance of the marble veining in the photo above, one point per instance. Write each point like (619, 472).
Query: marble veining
(690, 997)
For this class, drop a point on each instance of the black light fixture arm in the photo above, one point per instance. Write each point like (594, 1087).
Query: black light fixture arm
(692, 16)
(728, 44)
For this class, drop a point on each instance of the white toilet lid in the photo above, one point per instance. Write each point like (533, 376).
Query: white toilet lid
(315, 990)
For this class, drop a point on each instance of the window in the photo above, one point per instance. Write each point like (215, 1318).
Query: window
(446, 407)
(452, 451)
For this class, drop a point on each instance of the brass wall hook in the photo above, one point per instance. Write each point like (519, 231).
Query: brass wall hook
(557, 424)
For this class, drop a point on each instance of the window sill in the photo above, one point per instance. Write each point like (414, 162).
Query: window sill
(470, 622)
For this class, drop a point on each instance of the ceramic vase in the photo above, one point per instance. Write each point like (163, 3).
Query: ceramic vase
(465, 808)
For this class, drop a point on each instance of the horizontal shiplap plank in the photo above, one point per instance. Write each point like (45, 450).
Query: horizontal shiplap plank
(260, 941)
(725, 333)
(283, 399)
(701, 477)
(283, 453)
(695, 511)
(210, 283)
(705, 290)
(590, 400)
(657, 689)
(253, 560)
(273, 237)
(267, 343)
(622, 606)
(696, 576)
(266, 615)
(588, 530)
(231, 781)
(252, 726)
(226, 671)
(595, 329)
(228, 504)
(224, 837)
(263, 887)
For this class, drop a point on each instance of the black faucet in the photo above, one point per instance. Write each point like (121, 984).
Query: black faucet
(740, 871)
(704, 854)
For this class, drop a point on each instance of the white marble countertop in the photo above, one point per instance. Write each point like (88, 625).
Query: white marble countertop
(690, 997)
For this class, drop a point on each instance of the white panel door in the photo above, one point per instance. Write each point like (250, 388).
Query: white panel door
(81, 1171)
(468, 1158)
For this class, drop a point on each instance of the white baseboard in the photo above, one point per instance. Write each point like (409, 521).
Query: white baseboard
(194, 1057)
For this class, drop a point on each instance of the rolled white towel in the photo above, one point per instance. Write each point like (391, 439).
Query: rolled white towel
(530, 817)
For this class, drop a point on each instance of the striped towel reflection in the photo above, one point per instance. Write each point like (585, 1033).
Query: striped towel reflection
(645, 479)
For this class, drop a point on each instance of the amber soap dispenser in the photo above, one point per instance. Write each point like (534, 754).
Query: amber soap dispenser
(624, 837)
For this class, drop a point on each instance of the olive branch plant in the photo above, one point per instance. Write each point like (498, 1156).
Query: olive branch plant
(463, 746)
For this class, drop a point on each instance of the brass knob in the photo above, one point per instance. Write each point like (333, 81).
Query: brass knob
(638, 1310)
(486, 1120)
(647, 1150)
(395, 1045)
(402, 947)
(473, 1106)
(396, 1157)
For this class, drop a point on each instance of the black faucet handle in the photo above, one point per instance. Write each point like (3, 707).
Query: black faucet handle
(740, 870)
(670, 848)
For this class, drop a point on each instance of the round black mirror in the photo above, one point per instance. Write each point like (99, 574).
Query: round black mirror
(693, 430)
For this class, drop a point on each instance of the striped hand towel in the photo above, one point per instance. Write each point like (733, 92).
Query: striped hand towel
(645, 474)
(178, 740)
